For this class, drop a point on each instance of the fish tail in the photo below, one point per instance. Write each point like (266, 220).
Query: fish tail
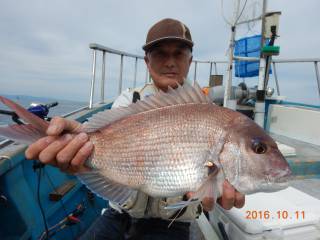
(25, 133)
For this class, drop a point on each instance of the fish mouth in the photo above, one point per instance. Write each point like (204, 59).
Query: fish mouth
(277, 180)
(271, 181)
(279, 175)
(273, 186)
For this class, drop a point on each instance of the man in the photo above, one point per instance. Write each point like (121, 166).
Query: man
(168, 55)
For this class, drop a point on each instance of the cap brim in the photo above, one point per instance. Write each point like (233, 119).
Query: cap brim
(149, 45)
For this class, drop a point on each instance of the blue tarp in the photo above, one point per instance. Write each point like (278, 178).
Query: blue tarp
(248, 47)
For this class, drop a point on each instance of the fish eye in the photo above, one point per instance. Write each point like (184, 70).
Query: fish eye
(259, 147)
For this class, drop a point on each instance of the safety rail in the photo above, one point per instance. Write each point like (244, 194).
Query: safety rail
(97, 47)
(104, 50)
(213, 65)
(315, 61)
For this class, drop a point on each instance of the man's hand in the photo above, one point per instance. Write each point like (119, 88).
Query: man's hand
(230, 198)
(67, 151)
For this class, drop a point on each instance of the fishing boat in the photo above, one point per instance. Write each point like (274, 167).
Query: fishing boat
(39, 201)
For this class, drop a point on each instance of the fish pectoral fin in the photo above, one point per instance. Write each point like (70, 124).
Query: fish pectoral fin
(208, 189)
(205, 190)
(182, 204)
(104, 187)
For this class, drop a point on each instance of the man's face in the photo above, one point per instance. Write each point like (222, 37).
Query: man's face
(168, 63)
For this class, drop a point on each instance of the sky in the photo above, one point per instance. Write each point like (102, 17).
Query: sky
(45, 44)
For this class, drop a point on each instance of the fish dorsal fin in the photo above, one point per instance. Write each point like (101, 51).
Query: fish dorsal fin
(106, 117)
(182, 95)
(104, 187)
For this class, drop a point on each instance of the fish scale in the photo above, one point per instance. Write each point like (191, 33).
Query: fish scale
(170, 140)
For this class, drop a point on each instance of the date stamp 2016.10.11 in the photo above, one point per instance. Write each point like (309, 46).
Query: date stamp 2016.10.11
(280, 214)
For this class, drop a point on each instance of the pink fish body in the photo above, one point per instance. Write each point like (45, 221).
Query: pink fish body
(176, 142)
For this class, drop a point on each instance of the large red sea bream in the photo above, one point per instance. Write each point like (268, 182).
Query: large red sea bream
(169, 144)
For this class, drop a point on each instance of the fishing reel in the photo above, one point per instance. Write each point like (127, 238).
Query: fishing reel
(41, 110)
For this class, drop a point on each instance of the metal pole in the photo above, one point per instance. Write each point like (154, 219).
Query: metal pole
(268, 65)
(247, 59)
(276, 77)
(215, 68)
(262, 65)
(195, 73)
(120, 78)
(317, 75)
(260, 104)
(263, 27)
(210, 70)
(228, 83)
(135, 72)
(103, 76)
(227, 102)
(92, 79)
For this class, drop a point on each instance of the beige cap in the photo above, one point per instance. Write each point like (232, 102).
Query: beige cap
(168, 29)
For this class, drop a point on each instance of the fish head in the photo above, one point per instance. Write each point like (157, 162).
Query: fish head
(251, 160)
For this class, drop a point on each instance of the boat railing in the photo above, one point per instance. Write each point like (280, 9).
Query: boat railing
(212, 68)
(313, 61)
(106, 50)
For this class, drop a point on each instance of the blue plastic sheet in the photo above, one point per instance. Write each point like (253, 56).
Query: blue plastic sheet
(248, 47)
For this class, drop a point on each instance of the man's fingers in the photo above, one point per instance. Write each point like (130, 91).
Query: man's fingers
(228, 196)
(239, 200)
(48, 155)
(208, 203)
(66, 155)
(77, 163)
(35, 148)
(68, 152)
(59, 124)
(56, 127)
(189, 194)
